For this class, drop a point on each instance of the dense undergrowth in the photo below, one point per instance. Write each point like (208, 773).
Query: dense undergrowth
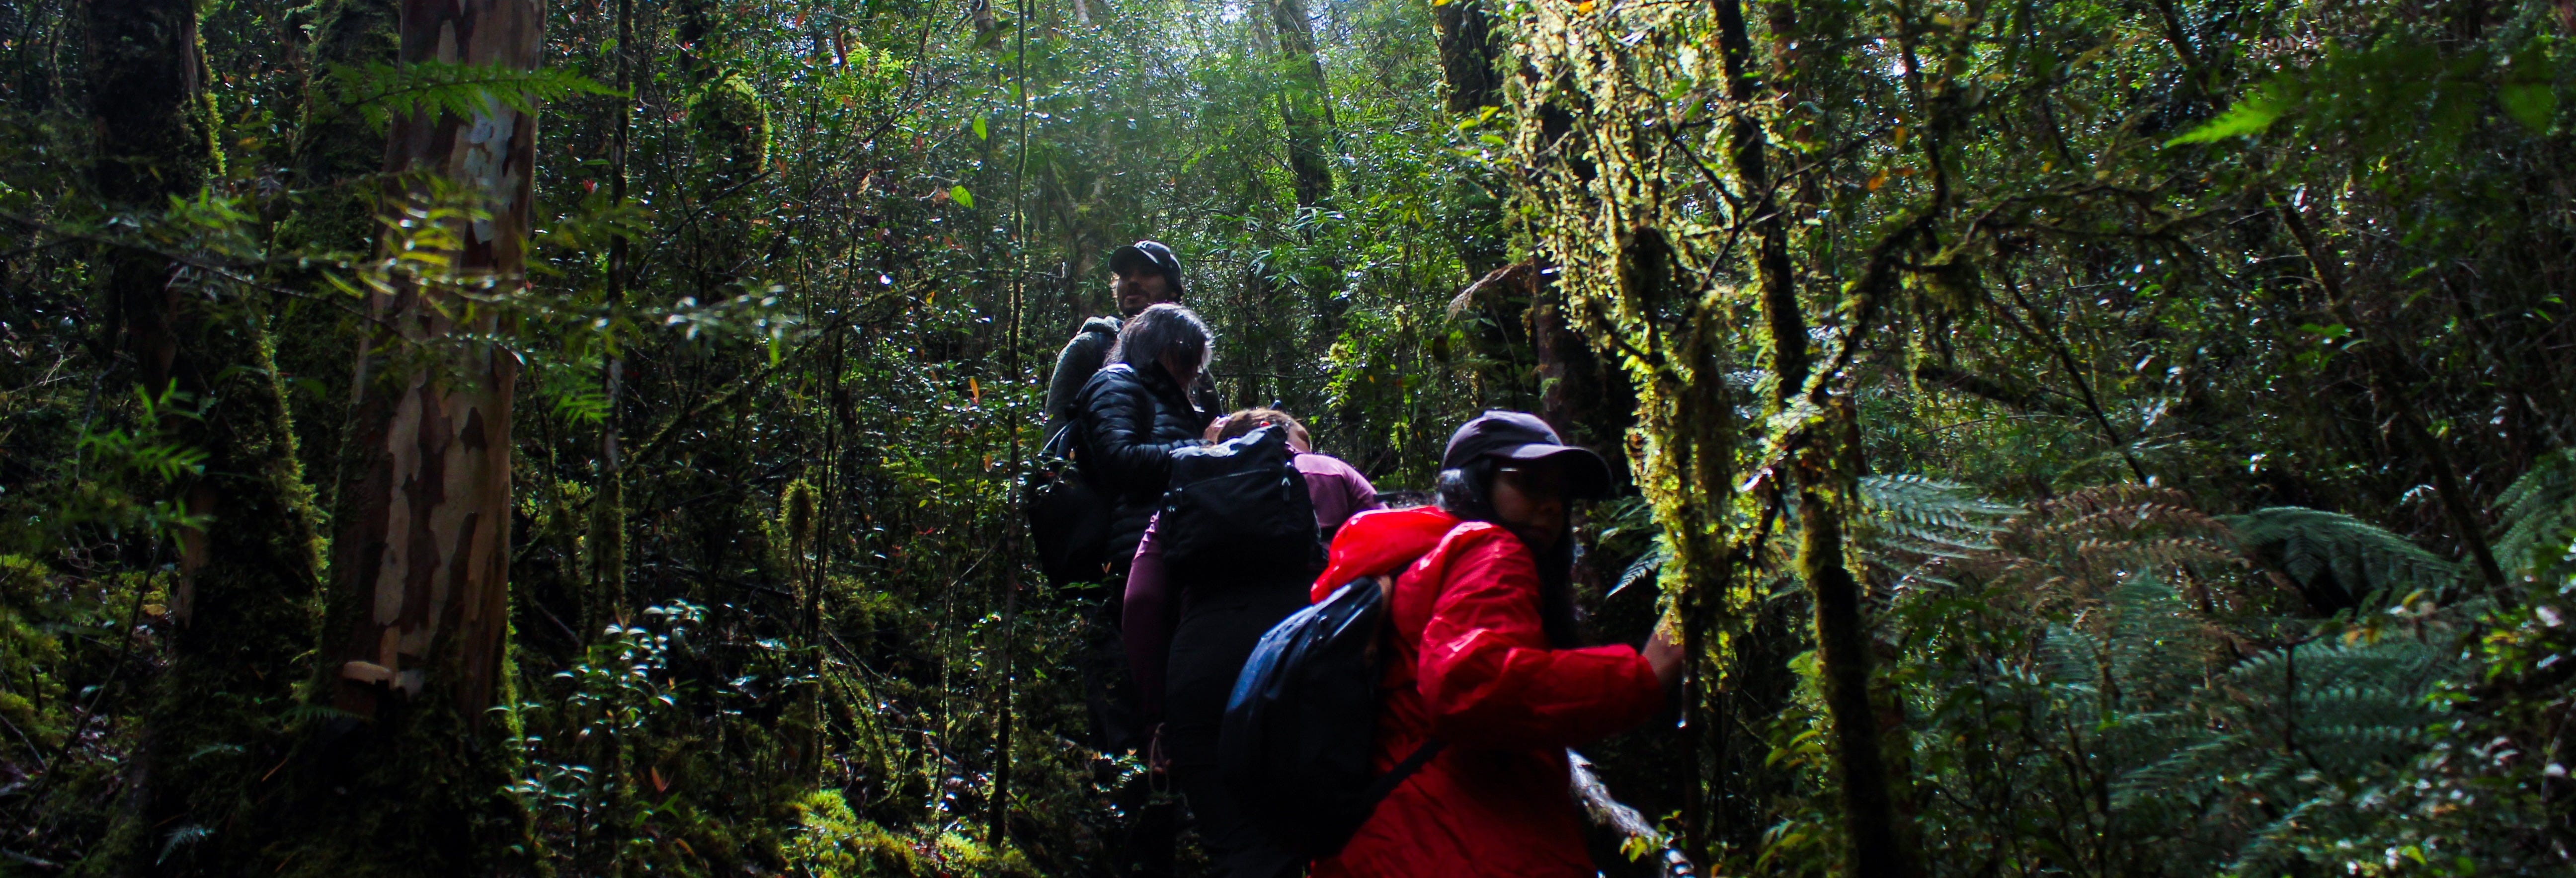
(2188, 385)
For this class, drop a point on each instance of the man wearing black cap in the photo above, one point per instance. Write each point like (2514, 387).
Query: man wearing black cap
(1145, 274)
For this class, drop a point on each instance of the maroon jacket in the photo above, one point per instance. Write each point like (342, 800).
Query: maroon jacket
(1147, 621)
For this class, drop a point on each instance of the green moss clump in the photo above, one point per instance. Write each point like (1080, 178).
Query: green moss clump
(731, 127)
(831, 841)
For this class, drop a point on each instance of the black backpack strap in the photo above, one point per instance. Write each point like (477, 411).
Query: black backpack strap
(1394, 777)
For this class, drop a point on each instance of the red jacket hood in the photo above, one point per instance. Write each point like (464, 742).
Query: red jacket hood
(1381, 541)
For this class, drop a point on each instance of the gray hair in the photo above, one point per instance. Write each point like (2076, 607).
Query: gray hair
(1161, 329)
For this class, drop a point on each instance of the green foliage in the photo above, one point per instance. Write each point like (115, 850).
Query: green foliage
(854, 233)
(2161, 726)
(2341, 561)
(2249, 116)
(1914, 517)
(2536, 516)
(731, 128)
(379, 92)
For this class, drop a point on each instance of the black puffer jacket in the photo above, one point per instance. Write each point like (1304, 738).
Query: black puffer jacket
(1132, 420)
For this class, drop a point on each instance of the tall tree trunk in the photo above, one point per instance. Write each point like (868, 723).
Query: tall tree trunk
(1470, 55)
(331, 209)
(335, 149)
(604, 603)
(1305, 109)
(237, 619)
(1748, 149)
(416, 651)
(1471, 67)
(607, 598)
(1825, 470)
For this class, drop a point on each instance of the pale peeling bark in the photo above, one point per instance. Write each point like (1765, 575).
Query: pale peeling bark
(427, 545)
(414, 779)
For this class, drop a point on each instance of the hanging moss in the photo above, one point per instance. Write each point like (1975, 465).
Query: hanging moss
(796, 520)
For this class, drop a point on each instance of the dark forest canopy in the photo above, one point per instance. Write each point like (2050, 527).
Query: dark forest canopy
(588, 438)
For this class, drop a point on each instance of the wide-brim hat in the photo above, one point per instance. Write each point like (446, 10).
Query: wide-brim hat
(1520, 436)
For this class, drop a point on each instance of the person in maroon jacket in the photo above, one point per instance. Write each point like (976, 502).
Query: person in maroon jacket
(1486, 661)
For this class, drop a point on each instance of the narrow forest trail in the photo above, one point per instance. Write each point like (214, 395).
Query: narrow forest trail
(596, 438)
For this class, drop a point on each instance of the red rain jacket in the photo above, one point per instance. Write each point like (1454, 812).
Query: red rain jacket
(1472, 667)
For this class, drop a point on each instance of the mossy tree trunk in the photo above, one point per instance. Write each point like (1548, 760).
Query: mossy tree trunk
(1625, 203)
(239, 611)
(1305, 111)
(332, 209)
(1649, 304)
(414, 779)
(336, 151)
(1470, 55)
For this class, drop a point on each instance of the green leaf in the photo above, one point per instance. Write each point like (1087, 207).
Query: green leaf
(2250, 116)
(2530, 103)
(982, 132)
(961, 196)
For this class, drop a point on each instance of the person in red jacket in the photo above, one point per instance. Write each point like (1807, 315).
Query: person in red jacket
(1486, 661)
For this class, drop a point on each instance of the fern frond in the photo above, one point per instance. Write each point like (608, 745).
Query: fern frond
(1915, 522)
(1646, 565)
(2339, 558)
(1924, 501)
(2070, 655)
(2276, 841)
(2536, 515)
(380, 91)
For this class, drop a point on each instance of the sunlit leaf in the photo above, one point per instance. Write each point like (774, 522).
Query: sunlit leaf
(2249, 116)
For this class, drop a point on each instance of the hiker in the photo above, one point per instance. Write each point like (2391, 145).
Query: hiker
(1185, 662)
(1133, 414)
(1482, 614)
(1143, 274)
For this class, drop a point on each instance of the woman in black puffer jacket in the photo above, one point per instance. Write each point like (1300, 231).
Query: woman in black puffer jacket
(1135, 413)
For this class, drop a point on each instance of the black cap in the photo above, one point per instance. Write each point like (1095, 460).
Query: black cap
(1522, 436)
(1139, 255)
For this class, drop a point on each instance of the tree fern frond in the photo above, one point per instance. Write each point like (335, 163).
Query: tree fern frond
(1646, 565)
(1920, 500)
(2275, 840)
(1916, 521)
(2070, 655)
(2196, 764)
(2536, 515)
(2339, 560)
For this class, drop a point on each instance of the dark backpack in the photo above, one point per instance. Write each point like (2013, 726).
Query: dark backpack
(1239, 507)
(1300, 730)
(1068, 517)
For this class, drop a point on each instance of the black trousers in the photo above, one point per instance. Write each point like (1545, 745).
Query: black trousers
(1107, 688)
(1216, 634)
(1141, 840)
